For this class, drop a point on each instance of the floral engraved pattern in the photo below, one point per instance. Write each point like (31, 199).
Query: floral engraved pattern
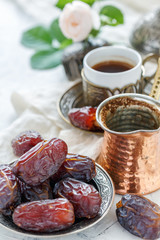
(105, 188)
(94, 95)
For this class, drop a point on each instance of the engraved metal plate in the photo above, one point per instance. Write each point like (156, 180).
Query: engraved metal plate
(105, 186)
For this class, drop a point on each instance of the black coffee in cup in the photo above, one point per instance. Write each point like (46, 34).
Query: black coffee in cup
(112, 66)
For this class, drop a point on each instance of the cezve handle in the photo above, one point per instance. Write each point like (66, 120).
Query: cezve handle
(155, 91)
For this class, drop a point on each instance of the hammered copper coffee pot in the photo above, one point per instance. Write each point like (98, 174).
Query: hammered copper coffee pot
(131, 146)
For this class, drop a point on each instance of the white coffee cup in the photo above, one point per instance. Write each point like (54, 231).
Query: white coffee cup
(115, 79)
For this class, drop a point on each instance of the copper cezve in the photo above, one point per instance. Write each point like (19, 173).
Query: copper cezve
(131, 145)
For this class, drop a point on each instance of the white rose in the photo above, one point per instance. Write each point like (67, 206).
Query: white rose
(77, 19)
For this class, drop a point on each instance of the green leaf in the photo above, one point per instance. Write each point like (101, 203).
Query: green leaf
(61, 3)
(66, 43)
(56, 32)
(46, 59)
(89, 2)
(38, 38)
(111, 15)
(94, 32)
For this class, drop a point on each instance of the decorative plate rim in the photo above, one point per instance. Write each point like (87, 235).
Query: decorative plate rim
(61, 97)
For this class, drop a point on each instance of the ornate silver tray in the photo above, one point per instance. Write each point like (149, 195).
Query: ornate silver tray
(105, 186)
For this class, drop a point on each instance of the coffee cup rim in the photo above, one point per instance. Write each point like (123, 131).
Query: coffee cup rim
(85, 64)
(132, 95)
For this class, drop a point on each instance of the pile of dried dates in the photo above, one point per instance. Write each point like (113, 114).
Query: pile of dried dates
(47, 188)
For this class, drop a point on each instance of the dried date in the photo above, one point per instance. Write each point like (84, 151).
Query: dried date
(40, 162)
(85, 198)
(76, 166)
(40, 192)
(139, 216)
(45, 215)
(84, 118)
(25, 141)
(10, 196)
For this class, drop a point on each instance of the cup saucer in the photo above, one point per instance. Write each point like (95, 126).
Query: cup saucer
(72, 98)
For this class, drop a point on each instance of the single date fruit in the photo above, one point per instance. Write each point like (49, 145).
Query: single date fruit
(40, 162)
(25, 141)
(10, 196)
(139, 216)
(85, 198)
(76, 166)
(45, 215)
(35, 193)
(84, 118)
